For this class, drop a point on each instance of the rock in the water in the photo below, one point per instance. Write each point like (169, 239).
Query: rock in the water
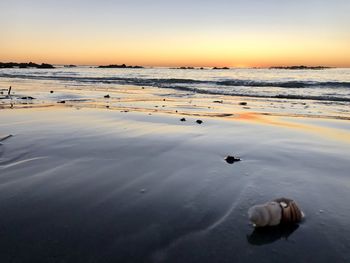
(27, 98)
(183, 119)
(231, 159)
(199, 121)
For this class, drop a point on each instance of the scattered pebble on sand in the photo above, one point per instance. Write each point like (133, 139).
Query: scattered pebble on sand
(231, 159)
(51, 91)
(199, 121)
(107, 96)
(183, 119)
(243, 103)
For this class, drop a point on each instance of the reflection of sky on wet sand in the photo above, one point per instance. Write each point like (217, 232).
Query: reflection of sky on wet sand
(151, 100)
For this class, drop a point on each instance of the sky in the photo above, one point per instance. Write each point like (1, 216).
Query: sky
(235, 33)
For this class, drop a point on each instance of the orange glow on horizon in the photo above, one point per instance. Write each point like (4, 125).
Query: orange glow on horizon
(201, 51)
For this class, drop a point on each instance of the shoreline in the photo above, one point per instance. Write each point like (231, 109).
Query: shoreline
(122, 178)
(98, 184)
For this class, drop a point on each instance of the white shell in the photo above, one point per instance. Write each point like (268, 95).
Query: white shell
(268, 214)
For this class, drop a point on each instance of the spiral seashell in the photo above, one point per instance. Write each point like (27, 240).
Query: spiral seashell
(291, 213)
(279, 211)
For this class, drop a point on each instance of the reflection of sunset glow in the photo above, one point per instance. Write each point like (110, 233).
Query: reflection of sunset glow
(335, 134)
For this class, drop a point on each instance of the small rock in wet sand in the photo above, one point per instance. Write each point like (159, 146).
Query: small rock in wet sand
(107, 96)
(231, 159)
(51, 91)
(143, 87)
(243, 103)
(218, 101)
(107, 106)
(199, 121)
(62, 101)
(27, 98)
(183, 119)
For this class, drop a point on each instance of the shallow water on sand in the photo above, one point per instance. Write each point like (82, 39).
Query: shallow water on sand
(104, 186)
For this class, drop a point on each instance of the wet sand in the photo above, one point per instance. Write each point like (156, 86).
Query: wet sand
(98, 185)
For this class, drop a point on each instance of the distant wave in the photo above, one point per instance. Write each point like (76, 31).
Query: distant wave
(154, 81)
(207, 87)
(277, 96)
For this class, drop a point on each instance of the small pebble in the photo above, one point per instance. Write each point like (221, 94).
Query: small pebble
(51, 91)
(199, 121)
(231, 159)
(183, 119)
(243, 103)
(107, 96)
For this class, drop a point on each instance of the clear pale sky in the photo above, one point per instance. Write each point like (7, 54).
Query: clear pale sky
(176, 33)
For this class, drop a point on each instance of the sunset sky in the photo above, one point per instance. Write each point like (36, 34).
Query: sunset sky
(176, 33)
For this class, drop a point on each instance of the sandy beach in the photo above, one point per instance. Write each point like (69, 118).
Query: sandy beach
(124, 180)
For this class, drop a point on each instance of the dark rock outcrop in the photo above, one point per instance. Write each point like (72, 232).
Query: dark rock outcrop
(118, 66)
(25, 65)
(300, 67)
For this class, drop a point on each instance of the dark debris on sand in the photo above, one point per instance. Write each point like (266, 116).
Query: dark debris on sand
(231, 159)
(199, 121)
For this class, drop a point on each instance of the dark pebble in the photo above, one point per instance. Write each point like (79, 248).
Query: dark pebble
(231, 159)
(62, 101)
(107, 96)
(51, 91)
(199, 121)
(243, 103)
(183, 119)
(27, 98)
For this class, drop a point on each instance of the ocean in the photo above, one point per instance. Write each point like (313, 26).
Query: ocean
(328, 90)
